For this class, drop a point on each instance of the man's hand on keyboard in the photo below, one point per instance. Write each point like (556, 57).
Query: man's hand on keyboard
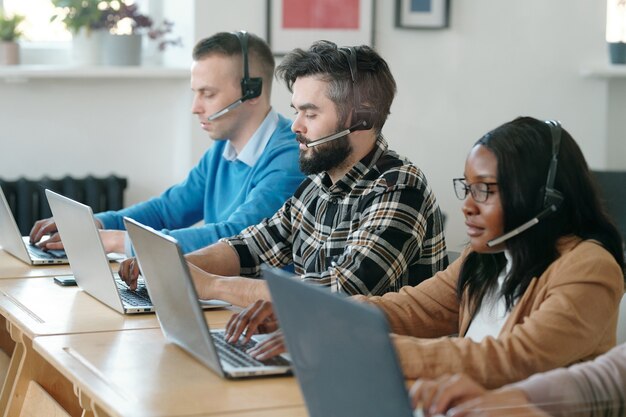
(271, 347)
(40, 229)
(47, 227)
(52, 243)
(257, 317)
(129, 272)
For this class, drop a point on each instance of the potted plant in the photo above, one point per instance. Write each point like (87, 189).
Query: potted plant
(9, 34)
(127, 27)
(85, 19)
(616, 30)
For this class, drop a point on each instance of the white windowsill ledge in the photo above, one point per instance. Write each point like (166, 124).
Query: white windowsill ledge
(604, 71)
(21, 73)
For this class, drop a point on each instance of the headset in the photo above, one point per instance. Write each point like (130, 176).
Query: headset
(362, 117)
(250, 87)
(552, 198)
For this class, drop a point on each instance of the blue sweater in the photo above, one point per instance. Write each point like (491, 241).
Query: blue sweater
(227, 195)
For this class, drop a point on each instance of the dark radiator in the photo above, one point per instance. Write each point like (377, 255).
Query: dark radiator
(28, 200)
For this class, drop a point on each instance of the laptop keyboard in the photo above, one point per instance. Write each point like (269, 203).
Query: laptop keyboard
(139, 297)
(42, 254)
(236, 356)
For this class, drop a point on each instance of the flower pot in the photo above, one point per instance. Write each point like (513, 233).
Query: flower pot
(87, 47)
(9, 53)
(122, 49)
(617, 52)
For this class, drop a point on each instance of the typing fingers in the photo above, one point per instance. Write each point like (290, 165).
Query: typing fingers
(42, 228)
(422, 393)
(128, 272)
(247, 321)
(52, 243)
(269, 348)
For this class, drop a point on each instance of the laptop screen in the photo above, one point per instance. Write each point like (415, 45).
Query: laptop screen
(341, 351)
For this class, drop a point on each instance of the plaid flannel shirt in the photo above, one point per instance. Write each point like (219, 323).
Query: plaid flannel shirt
(373, 231)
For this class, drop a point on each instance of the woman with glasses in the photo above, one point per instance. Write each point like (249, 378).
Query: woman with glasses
(539, 284)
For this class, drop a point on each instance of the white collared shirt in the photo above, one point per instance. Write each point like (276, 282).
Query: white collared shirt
(253, 150)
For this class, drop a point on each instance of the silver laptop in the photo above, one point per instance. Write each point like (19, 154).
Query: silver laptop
(88, 259)
(340, 350)
(19, 246)
(170, 284)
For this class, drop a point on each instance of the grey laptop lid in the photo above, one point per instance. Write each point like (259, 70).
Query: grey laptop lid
(176, 302)
(340, 350)
(12, 241)
(86, 254)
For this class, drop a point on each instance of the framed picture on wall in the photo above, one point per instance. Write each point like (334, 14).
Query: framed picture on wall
(422, 14)
(299, 23)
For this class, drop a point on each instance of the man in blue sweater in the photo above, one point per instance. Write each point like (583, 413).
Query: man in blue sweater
(244, 177)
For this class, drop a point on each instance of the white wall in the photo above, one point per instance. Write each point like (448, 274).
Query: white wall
(499, 59)
(137, 129)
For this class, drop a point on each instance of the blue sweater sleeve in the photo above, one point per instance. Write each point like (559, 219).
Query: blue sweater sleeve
(179, 206)
(272, 180)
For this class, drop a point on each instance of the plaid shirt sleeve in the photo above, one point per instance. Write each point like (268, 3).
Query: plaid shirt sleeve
(269, 240)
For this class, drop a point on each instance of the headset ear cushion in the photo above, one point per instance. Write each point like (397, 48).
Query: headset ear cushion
(251, 87)
(367, 116)
(547, 198)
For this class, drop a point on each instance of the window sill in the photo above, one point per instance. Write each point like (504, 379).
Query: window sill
(23, 73)
(606, 71)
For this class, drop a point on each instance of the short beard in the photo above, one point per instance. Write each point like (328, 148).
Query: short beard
(324, 157)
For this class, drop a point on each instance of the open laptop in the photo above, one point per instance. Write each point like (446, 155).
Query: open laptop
(19, 246)
(340, 350)
(88, 259)
(174, 295)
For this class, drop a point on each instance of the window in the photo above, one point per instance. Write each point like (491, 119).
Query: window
(37, 26)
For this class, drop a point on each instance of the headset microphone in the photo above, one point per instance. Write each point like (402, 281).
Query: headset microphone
(518, 230)
(337, 135)
(552, 198)
(225, 110)
(250, 87)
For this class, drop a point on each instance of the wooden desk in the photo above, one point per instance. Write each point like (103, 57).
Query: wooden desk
(11, 267)
(35, 307)
(138, 373)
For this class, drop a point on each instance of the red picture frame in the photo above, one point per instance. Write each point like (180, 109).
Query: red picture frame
(299, 23)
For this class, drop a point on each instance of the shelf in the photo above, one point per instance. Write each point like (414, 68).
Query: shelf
(21, 73)
(604, 71)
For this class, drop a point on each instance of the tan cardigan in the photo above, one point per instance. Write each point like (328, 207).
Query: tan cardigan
(567, 315)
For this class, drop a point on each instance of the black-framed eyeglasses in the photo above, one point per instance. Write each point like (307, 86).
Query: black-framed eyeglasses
(480, 190)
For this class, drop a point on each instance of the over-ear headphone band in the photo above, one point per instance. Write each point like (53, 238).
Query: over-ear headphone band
(361, 117)
(243, 40)
(551, 194)
(250, 87)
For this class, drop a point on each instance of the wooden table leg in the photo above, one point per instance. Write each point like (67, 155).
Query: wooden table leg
(17, 357)
(32, 367)
(90, 409)
(6, 343)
